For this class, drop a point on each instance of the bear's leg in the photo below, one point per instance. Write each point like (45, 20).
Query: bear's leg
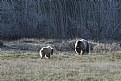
(43, 55)
(78, 51)
(82, 52)
(48, 56)
(51, 51)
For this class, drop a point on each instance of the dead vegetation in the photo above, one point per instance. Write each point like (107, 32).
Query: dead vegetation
(29, 67)
(27, 44)
(20, 61)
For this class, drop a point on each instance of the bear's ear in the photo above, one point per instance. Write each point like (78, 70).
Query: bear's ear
(51, 51)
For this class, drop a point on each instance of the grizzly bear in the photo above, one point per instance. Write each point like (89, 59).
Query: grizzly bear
(46, 51)
(82, 47)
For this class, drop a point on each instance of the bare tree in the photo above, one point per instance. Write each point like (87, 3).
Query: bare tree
(61, 19)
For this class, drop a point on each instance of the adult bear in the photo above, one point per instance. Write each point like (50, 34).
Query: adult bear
(82, 46)
(46, 51)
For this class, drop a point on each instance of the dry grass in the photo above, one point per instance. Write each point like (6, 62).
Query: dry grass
(29, 67)
(61, 45)
(106, 48)
(18, 62)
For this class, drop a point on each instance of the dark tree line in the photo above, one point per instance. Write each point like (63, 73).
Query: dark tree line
(61, 19)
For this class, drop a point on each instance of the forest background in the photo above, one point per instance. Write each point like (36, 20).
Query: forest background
(60, 19)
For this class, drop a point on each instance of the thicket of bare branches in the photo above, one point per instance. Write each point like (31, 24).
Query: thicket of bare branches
(89, 19)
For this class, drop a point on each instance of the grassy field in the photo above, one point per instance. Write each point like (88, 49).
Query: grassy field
(61, 67)
(20, 61)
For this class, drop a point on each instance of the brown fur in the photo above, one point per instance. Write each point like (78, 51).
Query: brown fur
(46, 51)
(81, 47)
